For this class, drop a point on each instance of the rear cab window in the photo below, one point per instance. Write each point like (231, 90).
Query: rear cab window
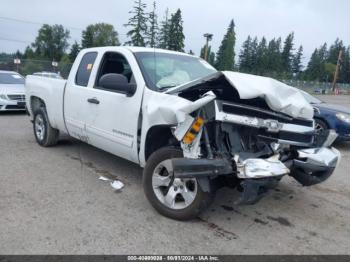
(85, 67)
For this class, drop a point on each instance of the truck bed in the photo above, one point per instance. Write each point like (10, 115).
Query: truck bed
(51, 91)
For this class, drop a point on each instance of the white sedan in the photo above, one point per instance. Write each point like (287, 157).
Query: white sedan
(12, 92)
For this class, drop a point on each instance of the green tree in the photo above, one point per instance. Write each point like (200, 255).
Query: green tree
(254, 56)
(153, 27)
(245, 58)
(74, 51)
(225, 57)
(100, 34)
(211, 55)
(287, 54)
(138, 25)
(261, 57)
(334, 49)
(297, 66)
(176, 34)
(344, 75)
(28, 53)
(51, 42)
(316, 69)
(64, 66)
(274, 61)
(163, 39)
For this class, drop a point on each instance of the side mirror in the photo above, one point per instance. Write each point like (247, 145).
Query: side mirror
(118, 83)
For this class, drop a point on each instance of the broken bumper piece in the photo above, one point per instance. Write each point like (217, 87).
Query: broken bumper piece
(261, 168)
(314, 165)
(196, 168)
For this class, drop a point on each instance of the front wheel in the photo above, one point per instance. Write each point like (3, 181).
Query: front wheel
(44, 133)
(180, 199)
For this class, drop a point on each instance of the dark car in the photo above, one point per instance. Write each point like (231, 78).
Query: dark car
(330, 116)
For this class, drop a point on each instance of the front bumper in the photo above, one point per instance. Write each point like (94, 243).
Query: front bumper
(309, 167)
(12, 105)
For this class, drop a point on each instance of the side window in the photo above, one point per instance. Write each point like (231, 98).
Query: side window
(85, 67)
(117, 64)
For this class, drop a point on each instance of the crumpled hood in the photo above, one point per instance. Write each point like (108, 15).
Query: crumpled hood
(7, 89)
(279, 96)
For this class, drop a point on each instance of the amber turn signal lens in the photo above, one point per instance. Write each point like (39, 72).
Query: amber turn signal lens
(193, 132)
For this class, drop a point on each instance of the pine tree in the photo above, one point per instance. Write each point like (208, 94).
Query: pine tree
(254, 54)
(225, 58)
(163, 40)
(138, 25)
(344, 75)
(287, 54)
(334, 49)
(274, 61)
(245, 56)
(153, 27)
(296, 62)
(261, 57)
(176, 35)
(316, 69)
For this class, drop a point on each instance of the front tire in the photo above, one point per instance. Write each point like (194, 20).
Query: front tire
(180, 199)
(44, 133)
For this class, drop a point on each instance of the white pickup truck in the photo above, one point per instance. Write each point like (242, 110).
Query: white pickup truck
(192, 128)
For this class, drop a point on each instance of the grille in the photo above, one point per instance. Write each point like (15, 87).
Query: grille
(257, 112)
(15, 107)
(16, 97)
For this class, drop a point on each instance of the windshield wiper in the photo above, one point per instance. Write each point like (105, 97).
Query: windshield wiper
(162, 88)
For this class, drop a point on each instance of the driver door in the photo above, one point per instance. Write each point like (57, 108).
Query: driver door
(112, 117)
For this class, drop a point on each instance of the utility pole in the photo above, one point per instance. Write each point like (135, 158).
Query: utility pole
(208, 37)
(336, 73)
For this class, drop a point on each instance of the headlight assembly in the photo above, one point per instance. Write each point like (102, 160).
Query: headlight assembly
(3, 97)
(343, 117)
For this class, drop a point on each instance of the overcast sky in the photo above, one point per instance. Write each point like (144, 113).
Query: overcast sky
(313, 21)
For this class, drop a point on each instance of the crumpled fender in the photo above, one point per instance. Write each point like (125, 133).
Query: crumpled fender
(164, 109)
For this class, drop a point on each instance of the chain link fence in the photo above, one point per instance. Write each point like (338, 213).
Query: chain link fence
(31, 66)
(314, 87)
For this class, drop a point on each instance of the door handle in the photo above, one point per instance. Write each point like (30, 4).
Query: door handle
(93, 101)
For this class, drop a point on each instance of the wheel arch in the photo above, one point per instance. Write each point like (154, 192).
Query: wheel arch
(157, 137)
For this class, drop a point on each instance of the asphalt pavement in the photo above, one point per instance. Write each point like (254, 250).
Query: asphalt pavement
(52, 202)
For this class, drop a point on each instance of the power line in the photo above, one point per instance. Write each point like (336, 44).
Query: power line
(34, 22)
(14, 40)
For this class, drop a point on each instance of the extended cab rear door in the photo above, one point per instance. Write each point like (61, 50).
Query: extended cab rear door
(112, 118)
(76, 95)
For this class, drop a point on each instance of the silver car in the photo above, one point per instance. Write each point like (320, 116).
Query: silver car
(12, 91)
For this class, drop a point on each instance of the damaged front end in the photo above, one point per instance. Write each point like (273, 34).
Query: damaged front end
(250, 140)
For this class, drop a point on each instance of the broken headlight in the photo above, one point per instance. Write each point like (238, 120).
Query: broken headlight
(3, 97)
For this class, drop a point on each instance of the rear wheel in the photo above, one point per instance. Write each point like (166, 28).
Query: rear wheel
(176, 198)
(44, 133)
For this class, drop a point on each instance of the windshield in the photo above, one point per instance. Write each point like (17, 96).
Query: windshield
(163, 70)
(11, 79)
(311, 99)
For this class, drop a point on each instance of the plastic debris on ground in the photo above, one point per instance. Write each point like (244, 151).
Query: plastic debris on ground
(116, 184)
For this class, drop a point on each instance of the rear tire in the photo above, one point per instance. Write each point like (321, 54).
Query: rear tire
(172, 197)
(44, 133)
